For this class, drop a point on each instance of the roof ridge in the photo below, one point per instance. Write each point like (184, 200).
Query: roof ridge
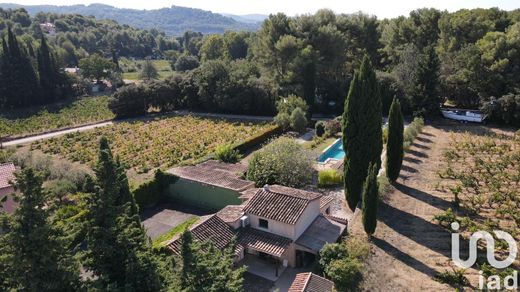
(309, 275)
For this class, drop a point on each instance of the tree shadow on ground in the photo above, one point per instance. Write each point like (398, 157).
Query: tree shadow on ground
(417, 153)
(423, 139)
(424, 196)
(425, 233)
(412, 160)
(403, 257)
(408, 169)
(420, 146)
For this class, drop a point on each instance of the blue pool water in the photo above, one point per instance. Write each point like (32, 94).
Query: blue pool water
(335, 151)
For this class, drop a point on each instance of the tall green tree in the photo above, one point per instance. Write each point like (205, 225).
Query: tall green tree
(362, 133)
(370, 200)
(394, 143)
(207, 268)
(149, 71)
(32, 255)
(19, 83)
(425, 96)
(53, 83)
(118, 250)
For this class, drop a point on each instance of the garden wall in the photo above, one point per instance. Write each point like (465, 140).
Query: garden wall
(201, 196)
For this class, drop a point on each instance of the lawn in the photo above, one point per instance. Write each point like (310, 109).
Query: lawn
(163, 239)
(159, 142)
(131, 68)
(43, 118)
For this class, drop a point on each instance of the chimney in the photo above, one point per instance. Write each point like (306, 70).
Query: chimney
(266, 187)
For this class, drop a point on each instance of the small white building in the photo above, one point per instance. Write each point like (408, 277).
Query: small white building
(48, 28)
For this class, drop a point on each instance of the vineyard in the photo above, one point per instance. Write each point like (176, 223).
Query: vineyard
(483, 174)
(40, 119)
(161, 142)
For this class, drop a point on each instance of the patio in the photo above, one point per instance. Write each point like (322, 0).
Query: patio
(262, 268)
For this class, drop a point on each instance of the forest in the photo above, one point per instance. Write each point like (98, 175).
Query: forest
(467, 58)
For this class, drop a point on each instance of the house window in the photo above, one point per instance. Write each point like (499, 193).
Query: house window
(327, 211)
(263, 223)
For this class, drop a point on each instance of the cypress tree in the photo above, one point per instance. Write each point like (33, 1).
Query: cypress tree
(370, 200)
(46, 72)
(33, 257)
(362, 133)
(394, 143)
(20, 84)
(118, 249)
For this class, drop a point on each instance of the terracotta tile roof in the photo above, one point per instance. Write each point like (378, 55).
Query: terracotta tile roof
(280, 203)
(210, 228)
(248, 194)
(324, 200)
(310, 282)
(322, 230)
(231, 213)
(6, 174)
(264, 241)
(216, 173)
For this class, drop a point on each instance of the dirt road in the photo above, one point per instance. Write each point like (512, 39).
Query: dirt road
(408, 248)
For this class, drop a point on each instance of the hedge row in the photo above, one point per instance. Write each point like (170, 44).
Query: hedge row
(258, 140)
(151, 192)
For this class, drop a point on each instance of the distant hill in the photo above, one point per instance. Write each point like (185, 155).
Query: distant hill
(173, 21)
(248, 18)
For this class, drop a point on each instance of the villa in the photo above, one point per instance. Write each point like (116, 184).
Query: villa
(278, 227)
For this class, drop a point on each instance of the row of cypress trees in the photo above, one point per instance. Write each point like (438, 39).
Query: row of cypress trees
(363, 145)
(21, 83)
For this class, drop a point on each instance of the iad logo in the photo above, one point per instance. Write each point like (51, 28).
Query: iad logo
(490, 254)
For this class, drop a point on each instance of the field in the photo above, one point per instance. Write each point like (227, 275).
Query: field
(160, 142)
(131, 68)
(482, 173)
(51, 117)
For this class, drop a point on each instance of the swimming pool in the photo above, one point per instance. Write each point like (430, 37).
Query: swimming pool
(334, 151)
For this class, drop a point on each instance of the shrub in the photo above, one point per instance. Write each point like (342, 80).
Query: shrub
(283, 120)
(345, 273)
(298, 120)
(185, 63)
(282, 161)
(129, 101)
(320, 128)
(454, 278)
(333, 126)
(329, 177)
(226, 153)
(411, 132)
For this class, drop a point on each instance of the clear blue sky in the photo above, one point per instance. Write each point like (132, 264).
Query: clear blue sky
(291, 7)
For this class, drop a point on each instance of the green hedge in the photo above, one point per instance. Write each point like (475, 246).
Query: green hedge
(151, 192)
(411, 132)
(257, 140)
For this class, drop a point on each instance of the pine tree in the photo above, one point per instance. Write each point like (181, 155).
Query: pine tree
(426, 95)
(362, 133)
(394, 144)
(370, 200)
(33, 257)
(207, 268)
(118, 249)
